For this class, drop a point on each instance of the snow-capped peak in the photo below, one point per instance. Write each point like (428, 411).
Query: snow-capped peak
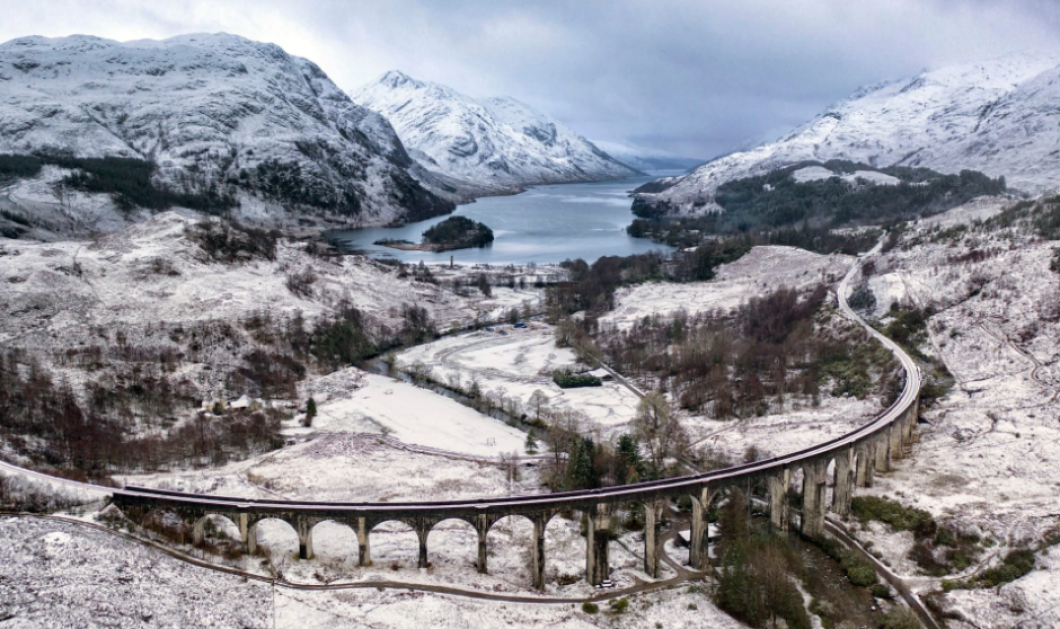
(996, 116)
(497, 143)
(214, 112)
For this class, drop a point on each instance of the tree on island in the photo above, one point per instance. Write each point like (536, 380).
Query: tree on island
(458, 232)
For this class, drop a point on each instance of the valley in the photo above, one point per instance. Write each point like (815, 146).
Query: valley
(276, 353)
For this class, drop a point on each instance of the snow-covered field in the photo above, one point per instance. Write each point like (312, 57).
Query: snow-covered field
(417, 416)
(676, 608)
(57, 575)
(517, 362)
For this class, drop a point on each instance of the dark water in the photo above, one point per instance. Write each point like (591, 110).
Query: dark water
(544, 224)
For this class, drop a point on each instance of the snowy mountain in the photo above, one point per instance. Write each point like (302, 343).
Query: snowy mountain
(496, 143)
(647, 159)
(215, 113)
(1000, 117)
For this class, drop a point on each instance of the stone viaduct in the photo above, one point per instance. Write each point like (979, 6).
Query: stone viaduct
(847, 462)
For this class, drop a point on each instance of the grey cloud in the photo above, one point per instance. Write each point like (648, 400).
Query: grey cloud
(698, 78)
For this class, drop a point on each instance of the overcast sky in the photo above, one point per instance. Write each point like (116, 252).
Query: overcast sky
(695, 78)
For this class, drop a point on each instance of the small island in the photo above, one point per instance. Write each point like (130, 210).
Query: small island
(455, 232)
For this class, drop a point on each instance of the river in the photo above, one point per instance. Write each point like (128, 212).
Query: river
(545, 224)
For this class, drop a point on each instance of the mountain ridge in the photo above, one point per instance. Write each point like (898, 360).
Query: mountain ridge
(212, 112)
(498, 143)
(992, 116)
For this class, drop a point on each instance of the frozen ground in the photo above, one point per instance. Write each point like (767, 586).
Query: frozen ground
(675, 608)
(516, 363)
(988, 451)
(58, 575)
(762, 270)
(345, 468)
(417, 416)
(67, 575)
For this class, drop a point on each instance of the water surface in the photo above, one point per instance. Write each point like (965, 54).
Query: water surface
(545, 224)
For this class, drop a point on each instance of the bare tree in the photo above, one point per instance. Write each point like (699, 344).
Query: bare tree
(660, 432)
(538, 403)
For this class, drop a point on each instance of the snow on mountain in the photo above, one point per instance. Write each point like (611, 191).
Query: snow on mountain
(647, 159)
(213, 111)
(496, 143)
(999, 117)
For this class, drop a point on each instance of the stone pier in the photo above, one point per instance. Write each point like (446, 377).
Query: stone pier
(698, 555)
(364, 552)
(305, 538)
(778, 501)
(813, 495)
(652, 511)
(844, 481)
(537, 552)
(597, 567)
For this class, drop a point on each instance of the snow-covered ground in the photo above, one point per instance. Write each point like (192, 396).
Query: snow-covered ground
(762, 270)
(987, 457)
(676, 608)
(516, 362)
(58, 574)
(346, 468)
(417, 416)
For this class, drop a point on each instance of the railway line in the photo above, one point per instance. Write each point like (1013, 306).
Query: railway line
(848, 460)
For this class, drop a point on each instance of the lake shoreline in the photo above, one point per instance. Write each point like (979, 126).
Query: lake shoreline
(543, 225)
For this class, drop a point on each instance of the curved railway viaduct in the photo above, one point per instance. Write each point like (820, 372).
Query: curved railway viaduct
(848, 461)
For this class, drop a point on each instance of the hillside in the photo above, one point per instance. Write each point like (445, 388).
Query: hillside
(264, 134)
(997, 117)
(496, 143)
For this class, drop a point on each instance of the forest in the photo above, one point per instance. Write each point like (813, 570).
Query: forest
(775, 209)
(777, 349)
(128, 181)
(137, 412)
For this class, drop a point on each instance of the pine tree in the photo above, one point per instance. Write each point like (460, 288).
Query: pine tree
(310, 412)
(531, 443)
(581, 474)
(629, 467)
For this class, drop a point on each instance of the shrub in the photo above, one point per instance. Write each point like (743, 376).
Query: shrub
(860, 572)
(900, 618)
(894, 514)
(620, 605)
(566, 380)
(1016, 564)
(231, 242)
(880, 591)
(590, 608)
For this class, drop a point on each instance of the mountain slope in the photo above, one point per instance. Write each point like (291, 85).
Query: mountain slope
(997, 116)
(213, 112)
(647, 159)
(497, 143)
